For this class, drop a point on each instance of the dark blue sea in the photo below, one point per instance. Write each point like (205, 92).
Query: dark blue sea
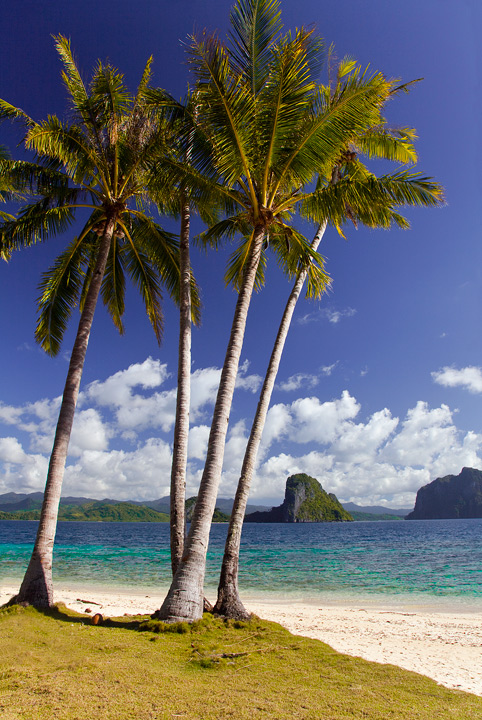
(436, 563)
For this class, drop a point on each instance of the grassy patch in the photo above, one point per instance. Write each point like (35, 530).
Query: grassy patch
(58, 665)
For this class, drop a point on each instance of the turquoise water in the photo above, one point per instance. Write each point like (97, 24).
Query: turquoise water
(436, 563)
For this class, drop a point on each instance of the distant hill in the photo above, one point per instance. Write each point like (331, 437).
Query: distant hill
(450, 497)
(95, 511)
(374, 517)
(218, 515)
(86, 509)
(31, 503)
(374, 510)
(305, 501)
(14, 502)
(226, 505)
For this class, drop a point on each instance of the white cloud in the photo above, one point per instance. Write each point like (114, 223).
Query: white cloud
(334, 316)
(204, 385)
(315, 421)
(89, 432)
(469, 377)
(11, 451)
(10, 415)
(198, 442)
(376, 459)
(424, 434)
(117, 389)
(328, 369)
(251, 383)
(295, 382)
(360, 443)
(133, 410)
(331, 314)
(143, 474)
(22, 472)
(277, 422)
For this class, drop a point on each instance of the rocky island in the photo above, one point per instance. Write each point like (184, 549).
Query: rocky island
(450, 497)
(305, 501)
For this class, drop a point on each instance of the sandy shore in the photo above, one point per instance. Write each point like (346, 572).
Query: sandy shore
(445, 647)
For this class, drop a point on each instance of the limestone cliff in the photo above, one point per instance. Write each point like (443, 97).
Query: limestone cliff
(305, 501)
(452, 496)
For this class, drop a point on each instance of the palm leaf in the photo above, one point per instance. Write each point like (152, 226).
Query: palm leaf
(372, 201)
(237, 263)
(113, 285)
(60, 289)
(227, 109)
(256, 25)
(144, 275)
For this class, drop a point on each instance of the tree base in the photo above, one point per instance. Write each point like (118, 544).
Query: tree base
(36, 589)
(229, 605)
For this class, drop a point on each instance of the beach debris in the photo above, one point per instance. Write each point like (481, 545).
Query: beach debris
(88, 602)
(97, 619)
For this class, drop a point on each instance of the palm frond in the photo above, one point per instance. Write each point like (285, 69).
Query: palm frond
(227, 110)
(113, 285)
(237, 263)
(286, 100)
(372, 201)
(69, 146)
(396, 145)
(35, 223)
(329, 132)
(256, 25)
(60, 289)
(145, 276)
(10, 112)
(227, 228)
(71, 76)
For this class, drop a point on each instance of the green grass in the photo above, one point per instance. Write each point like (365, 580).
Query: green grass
(57, 665)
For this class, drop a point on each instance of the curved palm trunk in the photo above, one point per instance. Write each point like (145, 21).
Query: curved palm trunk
(228, 602)
(181, 428)
(37, 587)
(184, 600)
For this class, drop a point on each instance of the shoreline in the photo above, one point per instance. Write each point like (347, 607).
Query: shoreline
(445, 646)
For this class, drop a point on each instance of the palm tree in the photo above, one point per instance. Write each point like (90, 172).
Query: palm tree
(191, 189)
(103, 161)
(380, 142)
(272, 132)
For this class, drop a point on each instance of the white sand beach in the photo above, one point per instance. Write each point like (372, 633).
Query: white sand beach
(444, 646)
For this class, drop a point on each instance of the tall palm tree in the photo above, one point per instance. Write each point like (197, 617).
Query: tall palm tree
(103, 160)
(193, 188)
(380, 142)
(272, 132)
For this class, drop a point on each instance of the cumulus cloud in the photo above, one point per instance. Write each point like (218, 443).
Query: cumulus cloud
(377, 461)
(469, 377)
(19, 470)
(122, 441)
(314, 421)
(295, 382)
(142, 474)
(117, 389)
(198, 442)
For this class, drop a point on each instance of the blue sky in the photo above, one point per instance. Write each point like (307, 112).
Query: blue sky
(380, 387)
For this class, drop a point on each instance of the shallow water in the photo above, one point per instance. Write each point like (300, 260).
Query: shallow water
(436, 563)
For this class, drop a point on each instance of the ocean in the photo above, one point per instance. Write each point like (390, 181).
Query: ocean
(434, 564)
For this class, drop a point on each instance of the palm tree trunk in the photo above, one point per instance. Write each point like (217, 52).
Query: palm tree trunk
(181, 428)
(184, 600)
(228, 602)
(37, 586)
